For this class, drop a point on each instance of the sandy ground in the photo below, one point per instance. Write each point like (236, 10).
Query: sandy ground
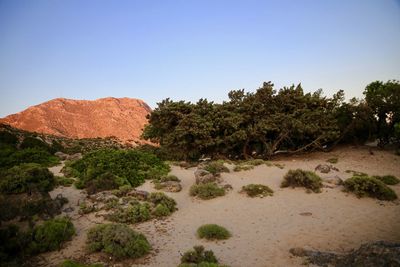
(263, 229)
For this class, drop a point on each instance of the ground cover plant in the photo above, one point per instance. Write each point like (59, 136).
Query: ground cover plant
(301, 178)
(109, 169)
(213, 232)
(257, 190)
(363, 186)
(206, 191)
(215, 167)
(388, 179)
(199, 257)
(117, 240)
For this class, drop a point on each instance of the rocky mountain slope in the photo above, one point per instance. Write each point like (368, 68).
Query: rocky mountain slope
(123, 118)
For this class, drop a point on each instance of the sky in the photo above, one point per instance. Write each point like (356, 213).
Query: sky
(191, 49)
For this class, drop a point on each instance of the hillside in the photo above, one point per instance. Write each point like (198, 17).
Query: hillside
(123, 118)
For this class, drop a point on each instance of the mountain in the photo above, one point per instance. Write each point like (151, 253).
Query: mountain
(123, 118)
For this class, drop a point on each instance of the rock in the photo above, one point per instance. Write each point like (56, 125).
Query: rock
(334, 180)
(170, 186)
(139, 194)
(203, 176)
(61, 155)
(227, 187)
(381, 253)
(75, 156)
(325, 168)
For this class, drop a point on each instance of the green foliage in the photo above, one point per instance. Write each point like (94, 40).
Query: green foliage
(169, 178)
(198, 255)
(242, 167)
(216, 167)
(213, 232)
(384, 101)
(161, 211)
(257, 190)
(7, 138)
(32, 142)
(70, 263)
(388, 179)
(206, 191)
(134, 213)
(301, 178)
(369, 186)
(63, 181)
(26, 178)
(160, 198)
(117, 240)
(332, 160)
(51, 235)
(10, 157)
(108, 169)
(85, 208)
(292, 120)
(13, 244)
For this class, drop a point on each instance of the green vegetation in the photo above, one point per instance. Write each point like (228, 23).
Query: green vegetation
(10, 157)
(134, 213)
(388, 179)
(85, 208)
(160, 198)
(169, 178)
(117, 240)
(109, 169)
(213, 232)
(369, 186)
(257, 190)
(161, 211)
(63, 181)
(16, 245)
(26, 178)
(333, 160)
(216, 167)
(199, 257)
(52, 234)
(301, 178)
(70, 263)
(206, 191)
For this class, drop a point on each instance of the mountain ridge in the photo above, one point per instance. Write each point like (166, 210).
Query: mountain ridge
(123, 118)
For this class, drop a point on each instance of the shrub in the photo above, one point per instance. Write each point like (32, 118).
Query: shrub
(256, 190)
(32, 142)
(206, 191)
(198, 255)
(52, 234)
(135, 213)
(242, 167)
(161, 211)
(128, 166)
(118, 240)
(85, 208)
(213, 232)
(169, 178)
(63, 181)
(26, 178)
(301, 178)
(369, 186)
(105, 181)
(332, 160)
(216, 167)
(388, 179)
(8, 138)
(10, 157)
(70, 263)
(13, 242)
(161, 198)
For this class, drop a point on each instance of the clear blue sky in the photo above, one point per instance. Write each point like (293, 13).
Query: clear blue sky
(88, 49)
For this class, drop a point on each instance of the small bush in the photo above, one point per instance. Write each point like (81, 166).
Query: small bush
(52, 234)
(169, 178)
(257, 190)
(241, 167)
(213, 232)
(333, 160)
(10, 157)
(85, 208)
(161, 211)
(206, 191)
(388, 179)
(105, 181)
(161, 198)
(118, 240)
(198, 255)
(216, 167)
(8, 138)
(369, 186)
(135, 213)
(63, 181)
(301, 178)
(26, 178)
(70, 263)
